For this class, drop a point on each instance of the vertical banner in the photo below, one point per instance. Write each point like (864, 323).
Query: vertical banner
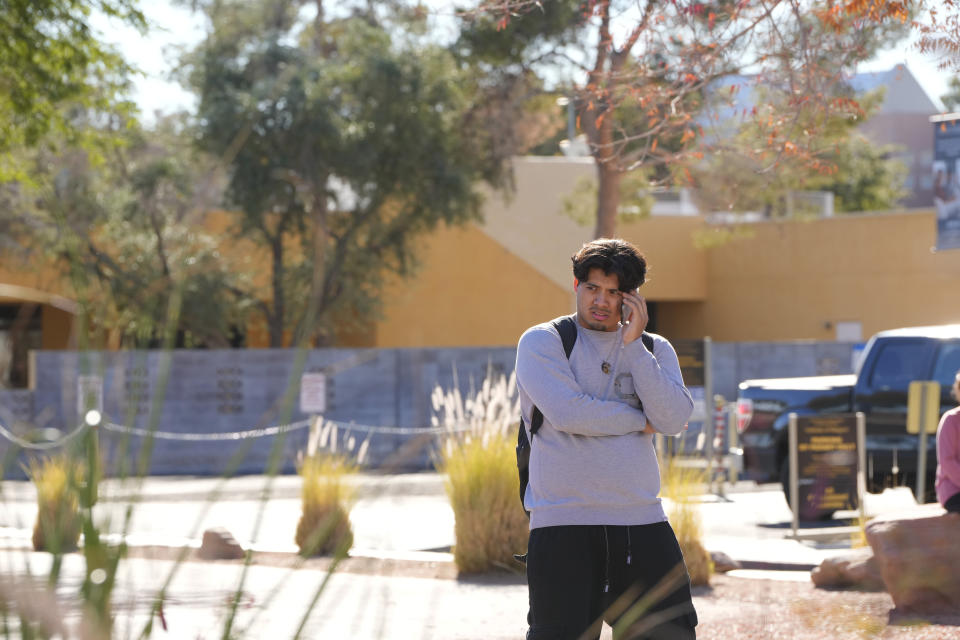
(692, 355)
(946, 179)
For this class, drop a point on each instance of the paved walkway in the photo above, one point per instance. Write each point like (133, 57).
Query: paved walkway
(403, 518)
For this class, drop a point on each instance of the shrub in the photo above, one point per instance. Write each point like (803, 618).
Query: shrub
(478, 457)
(681, 483)
(58, 524)
(482, 485)
(324, 526)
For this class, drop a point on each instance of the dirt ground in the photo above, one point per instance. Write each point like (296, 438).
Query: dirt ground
(747, 608)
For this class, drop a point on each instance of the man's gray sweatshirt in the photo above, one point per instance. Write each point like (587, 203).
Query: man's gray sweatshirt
(590, 463)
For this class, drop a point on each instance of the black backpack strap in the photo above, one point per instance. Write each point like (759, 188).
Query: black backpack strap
(567, 328)
(647, 340)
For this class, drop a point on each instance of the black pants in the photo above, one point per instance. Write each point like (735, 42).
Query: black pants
(630, 577)
(952, 505)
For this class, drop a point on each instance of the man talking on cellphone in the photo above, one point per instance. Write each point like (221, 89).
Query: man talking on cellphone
(600, 546)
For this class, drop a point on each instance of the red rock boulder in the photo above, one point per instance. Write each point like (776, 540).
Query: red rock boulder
(219, 544)
(857, 570)
(919, 561)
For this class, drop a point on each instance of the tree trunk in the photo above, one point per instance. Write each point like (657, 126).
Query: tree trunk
(608, 199)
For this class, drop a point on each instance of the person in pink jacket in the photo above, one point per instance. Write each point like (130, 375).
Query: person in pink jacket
(948, 455)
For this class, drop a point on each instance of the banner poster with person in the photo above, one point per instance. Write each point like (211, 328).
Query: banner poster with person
(946, 179)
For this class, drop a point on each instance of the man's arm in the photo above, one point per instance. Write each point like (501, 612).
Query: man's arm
(543, 372)
(657, 380)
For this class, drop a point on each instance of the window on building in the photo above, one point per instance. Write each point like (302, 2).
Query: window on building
(20, 332)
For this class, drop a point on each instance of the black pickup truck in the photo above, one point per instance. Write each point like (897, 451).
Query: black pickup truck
(890, 361)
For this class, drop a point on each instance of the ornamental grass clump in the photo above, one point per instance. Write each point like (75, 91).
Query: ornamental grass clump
(681, 483)
(58, 524)
(478, 457)
(324, 526)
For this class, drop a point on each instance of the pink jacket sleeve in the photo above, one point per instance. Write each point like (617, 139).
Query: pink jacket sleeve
(948, 447)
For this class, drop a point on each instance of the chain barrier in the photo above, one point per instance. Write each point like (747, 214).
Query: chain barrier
(233, 435)
(271, 431)
(41, 446)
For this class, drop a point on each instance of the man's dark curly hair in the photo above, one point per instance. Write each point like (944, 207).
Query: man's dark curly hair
(612, 256)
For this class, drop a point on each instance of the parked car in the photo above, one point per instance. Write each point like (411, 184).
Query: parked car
(878, 388)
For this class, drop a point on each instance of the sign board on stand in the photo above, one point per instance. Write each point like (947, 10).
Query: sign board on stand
(823, 464)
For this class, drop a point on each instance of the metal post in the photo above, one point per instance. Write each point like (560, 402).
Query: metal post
(794, 474)
(922, 453)
(861, 463)
(708, 427)
(732, 441)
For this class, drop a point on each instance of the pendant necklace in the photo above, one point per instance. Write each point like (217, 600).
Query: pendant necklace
(605, 365)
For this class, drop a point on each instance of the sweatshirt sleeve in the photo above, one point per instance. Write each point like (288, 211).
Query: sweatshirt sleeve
(948, 447)
(543, 372)
(659, 384)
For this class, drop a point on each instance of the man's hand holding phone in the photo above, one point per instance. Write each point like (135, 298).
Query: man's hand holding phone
(633, 316)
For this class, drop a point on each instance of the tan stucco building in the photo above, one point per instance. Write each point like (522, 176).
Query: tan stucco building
(844, 277)
(825, 279)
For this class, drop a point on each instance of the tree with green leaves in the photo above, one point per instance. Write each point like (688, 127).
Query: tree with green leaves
(861, 175)
(125, 230)
(343, 136)
(55, 72)
(645, 77)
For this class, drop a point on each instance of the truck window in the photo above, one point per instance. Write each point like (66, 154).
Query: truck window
(899, 363)
(948, 363)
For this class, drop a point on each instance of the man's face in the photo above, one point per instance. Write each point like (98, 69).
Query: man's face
(598, 301)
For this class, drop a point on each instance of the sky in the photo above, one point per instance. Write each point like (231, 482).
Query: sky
(176, 27)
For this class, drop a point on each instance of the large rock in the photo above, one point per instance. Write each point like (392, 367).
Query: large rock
(919, 560)
(219, 544)
(857, 569)
(723, 563)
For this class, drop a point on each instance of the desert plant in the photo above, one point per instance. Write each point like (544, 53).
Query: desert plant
(58, 524)
(681, 483)
(477, 455)
(324, 526)
(482, 486)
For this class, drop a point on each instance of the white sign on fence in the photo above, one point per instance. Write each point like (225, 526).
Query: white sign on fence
(313, 393)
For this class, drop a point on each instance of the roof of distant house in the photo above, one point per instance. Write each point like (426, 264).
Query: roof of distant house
(904, 94)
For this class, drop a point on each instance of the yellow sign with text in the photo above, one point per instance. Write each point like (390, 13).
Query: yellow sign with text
(923, 404)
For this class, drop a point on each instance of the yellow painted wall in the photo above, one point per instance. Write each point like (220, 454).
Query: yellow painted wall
(676, 270)
(795, 280)
(470, 292)
(772, 281)
(57, 328)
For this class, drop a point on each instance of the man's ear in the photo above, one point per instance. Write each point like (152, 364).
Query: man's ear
(576, 283)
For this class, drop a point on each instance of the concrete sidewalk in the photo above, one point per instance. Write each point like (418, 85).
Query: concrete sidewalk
(398, 584)
(408, 516)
